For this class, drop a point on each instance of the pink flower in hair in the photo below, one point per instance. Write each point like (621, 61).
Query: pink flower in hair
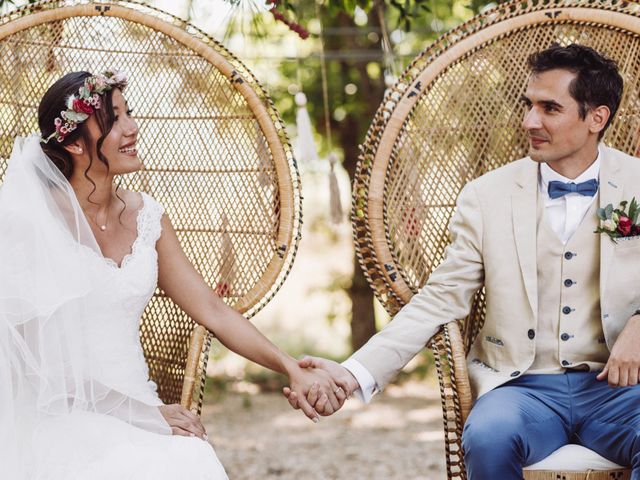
(100, 83)
(57, 122)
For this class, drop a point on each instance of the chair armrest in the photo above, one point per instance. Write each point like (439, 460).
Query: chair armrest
(198, 336)
(455, 393)
(460, 372)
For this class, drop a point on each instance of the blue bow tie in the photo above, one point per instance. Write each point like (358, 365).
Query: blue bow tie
(560, 189)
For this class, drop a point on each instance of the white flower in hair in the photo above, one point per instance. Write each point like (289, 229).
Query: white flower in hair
(116, 77)
(70, 102)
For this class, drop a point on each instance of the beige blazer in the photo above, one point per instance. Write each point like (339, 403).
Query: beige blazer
(493, 242)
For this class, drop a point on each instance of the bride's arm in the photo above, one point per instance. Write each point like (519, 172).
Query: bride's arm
(182, 282)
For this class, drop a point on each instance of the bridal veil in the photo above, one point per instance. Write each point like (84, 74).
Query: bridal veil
(64, 344)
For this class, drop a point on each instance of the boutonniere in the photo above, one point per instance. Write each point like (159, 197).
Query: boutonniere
(620, 222)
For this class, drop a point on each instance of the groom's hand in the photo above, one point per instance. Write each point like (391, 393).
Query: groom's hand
(343, 378)
(623, 365)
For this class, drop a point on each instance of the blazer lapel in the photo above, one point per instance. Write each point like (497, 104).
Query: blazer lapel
(524, 217)
(611, 190)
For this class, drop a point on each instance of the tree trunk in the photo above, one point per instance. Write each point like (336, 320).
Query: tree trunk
(350, 133)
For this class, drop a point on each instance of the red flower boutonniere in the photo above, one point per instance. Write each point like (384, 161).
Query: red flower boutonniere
(618, 222)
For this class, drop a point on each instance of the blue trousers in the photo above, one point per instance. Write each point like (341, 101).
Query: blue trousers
(526, 419)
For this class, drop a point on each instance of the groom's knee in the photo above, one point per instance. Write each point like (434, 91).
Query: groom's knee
(491, 432)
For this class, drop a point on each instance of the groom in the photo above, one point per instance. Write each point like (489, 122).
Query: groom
(557, 360)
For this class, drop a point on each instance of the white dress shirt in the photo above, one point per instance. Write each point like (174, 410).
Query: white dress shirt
(563, 215)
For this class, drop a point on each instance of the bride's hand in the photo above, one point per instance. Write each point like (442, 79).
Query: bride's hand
(314, 388)
(182, 421)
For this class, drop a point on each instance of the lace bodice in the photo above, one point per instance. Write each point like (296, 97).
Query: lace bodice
(137, 274)
(129, 288)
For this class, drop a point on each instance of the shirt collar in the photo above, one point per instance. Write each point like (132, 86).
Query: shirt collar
(547, 174)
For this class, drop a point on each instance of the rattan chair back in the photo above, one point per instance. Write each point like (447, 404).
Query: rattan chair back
(453, 115)
(214, 149)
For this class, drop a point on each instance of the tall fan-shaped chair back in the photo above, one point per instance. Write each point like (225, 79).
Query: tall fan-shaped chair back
(214, 149)
(453, 115)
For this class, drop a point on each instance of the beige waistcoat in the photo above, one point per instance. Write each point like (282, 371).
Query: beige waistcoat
(568, 298)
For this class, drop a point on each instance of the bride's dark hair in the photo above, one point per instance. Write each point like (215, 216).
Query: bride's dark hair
(53, 102)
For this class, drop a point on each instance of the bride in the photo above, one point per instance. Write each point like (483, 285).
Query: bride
(79, 260)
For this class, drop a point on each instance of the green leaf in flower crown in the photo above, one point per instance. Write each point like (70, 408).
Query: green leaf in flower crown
(76, 116)
(84, 92)
(608, 211)
(601, 214)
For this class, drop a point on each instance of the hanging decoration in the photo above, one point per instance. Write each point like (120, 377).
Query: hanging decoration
(262, 149)
(390, 67)
(335, 206)
(306, 147)
(293, 26)
(227, 262)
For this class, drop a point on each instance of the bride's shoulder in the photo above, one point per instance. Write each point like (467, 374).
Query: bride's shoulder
(139, 200)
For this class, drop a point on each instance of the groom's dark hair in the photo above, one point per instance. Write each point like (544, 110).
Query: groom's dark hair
(597, 81)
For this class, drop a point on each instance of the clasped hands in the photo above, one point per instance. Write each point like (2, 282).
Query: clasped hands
(332, 385)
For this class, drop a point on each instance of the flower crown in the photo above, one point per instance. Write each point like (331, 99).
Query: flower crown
(84, 103)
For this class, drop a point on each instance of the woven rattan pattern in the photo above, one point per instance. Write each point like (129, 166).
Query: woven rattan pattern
(229, 184)
(452, 116)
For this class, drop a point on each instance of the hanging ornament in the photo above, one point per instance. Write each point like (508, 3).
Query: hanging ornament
(306, 147)
(335, 205)
(227, 262)
(265, 168)
(293, 26)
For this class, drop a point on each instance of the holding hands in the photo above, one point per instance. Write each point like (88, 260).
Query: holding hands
(317, 400)
(310, 385)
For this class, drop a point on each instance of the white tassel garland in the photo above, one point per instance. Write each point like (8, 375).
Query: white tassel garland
(306, 151)
(335, 205)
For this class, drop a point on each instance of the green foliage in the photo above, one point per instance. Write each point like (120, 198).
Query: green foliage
(633, 210)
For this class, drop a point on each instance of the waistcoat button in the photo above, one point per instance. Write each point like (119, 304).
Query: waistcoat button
(565, 363)
(531, 333)
(564, 337)
(566, 310)
(568, 255)
(568, 282)
(516, 373)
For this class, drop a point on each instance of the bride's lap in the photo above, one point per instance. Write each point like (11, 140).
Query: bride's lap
(85, 445)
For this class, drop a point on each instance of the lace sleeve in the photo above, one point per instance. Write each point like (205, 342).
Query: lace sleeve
(150, 227)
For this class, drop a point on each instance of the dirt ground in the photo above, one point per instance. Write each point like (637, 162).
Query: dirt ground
(397, 436)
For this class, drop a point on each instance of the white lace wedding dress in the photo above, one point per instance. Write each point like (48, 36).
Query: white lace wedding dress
(133, 441)
(76, 402)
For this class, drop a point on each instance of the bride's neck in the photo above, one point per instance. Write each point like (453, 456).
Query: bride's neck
(93, 196)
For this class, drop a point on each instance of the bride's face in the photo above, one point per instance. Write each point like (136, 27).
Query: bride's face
(119, 147)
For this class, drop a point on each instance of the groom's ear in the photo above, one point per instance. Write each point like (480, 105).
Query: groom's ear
(598, 118)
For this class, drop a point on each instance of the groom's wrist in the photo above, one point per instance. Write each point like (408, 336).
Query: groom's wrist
(351, 382)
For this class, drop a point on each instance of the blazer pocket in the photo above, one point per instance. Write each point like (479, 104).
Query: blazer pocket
(625, 243)
(493, 348)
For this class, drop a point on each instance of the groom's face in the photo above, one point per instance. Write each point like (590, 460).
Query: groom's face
(552, 120)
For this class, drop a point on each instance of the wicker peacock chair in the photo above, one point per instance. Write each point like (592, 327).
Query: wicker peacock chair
(452, 116)
(215, 151)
